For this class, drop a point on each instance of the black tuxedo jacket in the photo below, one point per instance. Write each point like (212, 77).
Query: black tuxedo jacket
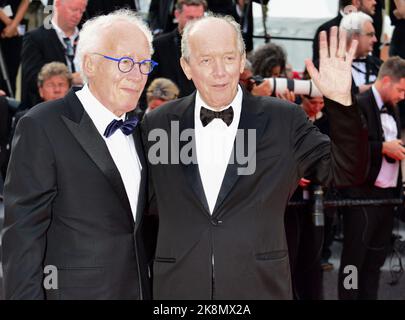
(368, 106)
(99, 7)
(240, 251)
(66, 206)
(161, 15)
(167, 54)
(40, 46)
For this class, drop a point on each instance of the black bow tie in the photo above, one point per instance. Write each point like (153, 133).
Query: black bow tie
(127, 127)
(386, 108)
(207, 116)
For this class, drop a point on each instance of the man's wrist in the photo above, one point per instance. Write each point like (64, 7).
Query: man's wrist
(343, 100)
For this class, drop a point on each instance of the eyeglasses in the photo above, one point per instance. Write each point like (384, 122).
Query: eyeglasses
(369, 34)
(126, 64)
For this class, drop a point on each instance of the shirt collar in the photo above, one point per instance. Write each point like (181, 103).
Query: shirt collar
(236, 105)
(236, 102)
(61, 34)
(377, 97)
(97, 112)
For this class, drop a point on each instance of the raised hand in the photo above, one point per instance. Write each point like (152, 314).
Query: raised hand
(334, 78)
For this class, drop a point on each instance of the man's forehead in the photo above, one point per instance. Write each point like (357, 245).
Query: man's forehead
(368, 26)
(116, 39)
(217, 36)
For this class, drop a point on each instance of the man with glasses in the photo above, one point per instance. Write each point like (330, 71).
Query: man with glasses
(76, 186)
(359, 26)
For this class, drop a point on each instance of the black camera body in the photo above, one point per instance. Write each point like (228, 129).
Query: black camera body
(257, 80)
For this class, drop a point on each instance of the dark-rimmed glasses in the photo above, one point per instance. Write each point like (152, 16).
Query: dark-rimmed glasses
(126, 64)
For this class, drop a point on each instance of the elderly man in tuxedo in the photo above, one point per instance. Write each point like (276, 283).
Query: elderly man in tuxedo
(222, 236)
(76, 184)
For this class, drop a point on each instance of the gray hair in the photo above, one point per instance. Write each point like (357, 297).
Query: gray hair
(185, 48)
(93, 32)
(354, 22)
(52, 69)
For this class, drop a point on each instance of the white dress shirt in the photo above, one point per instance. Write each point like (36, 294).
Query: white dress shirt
(388, 175)
(121, 147)
(214, 144)
(360, 77)
(72, 38)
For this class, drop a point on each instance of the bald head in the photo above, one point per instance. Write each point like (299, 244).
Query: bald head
(210, 25)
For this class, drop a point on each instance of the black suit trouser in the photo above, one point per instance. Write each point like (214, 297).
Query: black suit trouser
(367, 234)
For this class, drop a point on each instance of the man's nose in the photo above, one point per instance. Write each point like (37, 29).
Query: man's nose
(219, 68)
(374, 39)
(135, 73)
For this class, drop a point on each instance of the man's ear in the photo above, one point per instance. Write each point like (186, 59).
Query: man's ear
(41, 91)
(176, 14)
(89, 67)
(242, 64)
(356, 3)
(386, 80)
(186, 68)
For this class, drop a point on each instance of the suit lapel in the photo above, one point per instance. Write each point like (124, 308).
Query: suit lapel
(249, 119)
(376, 113)
(191, 171)
(142, 187)
(56, 44)
(84, 131)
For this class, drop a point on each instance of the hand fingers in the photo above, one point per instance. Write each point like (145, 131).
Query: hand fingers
(333, 42)
(352, 51)
(313, 72)
(292, 94)
(323, 46)
(342, 43)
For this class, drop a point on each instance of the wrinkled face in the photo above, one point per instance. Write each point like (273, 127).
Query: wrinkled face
(54, 88)
(366, 40)
(188, 13)
(394, 91)
(368, 6)
(70, 12)
(117, 91)
(312, 105)
(215, 62)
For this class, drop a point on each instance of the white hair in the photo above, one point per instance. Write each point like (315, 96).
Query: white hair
(354, 22)
(94, 31)
(185, 48)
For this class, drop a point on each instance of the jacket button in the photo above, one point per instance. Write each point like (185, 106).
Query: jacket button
(216, 222)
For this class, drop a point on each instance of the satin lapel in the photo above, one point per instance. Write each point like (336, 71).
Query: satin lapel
(398, 122)
(84, 131)
(142, 187)
(250, 119)
(376, 113)
(191, 171)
